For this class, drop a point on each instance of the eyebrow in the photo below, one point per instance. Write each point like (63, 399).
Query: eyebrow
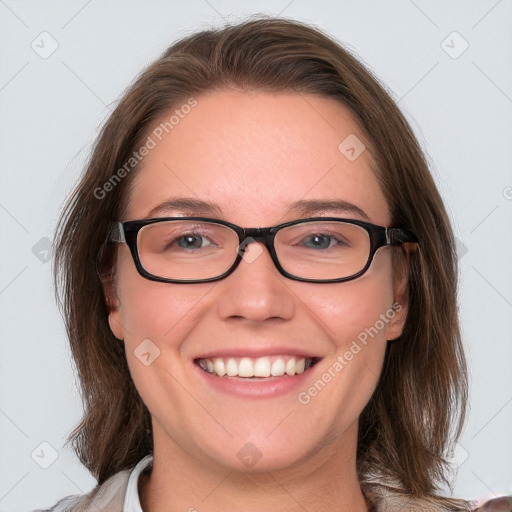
(303, 208)
(308, 208)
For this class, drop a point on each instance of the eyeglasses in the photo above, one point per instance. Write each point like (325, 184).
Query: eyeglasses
(200, 249)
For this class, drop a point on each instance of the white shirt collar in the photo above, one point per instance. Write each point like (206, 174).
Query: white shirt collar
(132, 500)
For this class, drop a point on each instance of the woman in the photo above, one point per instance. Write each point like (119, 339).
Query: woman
(274, 324)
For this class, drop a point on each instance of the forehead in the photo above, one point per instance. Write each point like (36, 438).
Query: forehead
(254, 154)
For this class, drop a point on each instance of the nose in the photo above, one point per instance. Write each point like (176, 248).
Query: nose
(256, 291)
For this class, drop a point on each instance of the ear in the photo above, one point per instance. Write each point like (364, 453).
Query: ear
(400, 263)
(114, 309)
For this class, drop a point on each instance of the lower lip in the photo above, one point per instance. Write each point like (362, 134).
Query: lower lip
(261, 388)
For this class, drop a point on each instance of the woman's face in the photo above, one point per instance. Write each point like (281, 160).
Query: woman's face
(251, 156)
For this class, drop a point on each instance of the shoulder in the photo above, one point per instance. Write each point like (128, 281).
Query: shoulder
(387, 499)
(500, 504)
(107, 497)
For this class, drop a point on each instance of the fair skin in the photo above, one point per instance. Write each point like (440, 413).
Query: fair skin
(253, 154)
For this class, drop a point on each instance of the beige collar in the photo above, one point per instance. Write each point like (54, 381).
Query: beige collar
(110, 496)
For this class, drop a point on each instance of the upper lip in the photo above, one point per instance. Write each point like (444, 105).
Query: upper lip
(257, 352)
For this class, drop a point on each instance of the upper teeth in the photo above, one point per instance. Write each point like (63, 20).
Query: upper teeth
(255, 367)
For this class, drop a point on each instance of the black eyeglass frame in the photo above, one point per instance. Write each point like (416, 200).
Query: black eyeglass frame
(380, 236)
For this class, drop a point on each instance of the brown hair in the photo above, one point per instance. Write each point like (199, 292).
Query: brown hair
(418, 408)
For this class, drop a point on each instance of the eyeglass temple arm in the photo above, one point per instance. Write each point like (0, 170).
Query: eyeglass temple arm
(399, 236)
(116, 233)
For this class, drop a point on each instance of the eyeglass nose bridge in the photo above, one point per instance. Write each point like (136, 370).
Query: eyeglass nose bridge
(251, 235)
(265, 236)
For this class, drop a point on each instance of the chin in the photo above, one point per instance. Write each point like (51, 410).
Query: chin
(263, 455)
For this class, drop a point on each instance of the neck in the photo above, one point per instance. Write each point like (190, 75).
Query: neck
(326, 481)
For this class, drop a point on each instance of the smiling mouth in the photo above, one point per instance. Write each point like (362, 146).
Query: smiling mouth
(256, 367)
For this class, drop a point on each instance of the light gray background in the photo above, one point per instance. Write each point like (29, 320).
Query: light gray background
(459, 104)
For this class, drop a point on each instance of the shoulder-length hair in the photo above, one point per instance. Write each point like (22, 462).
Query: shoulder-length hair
(408, 428)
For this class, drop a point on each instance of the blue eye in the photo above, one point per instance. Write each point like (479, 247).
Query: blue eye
(188, 242)
(320, 241)
(191, 241)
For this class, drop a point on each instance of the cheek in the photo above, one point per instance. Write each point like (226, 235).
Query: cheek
(352, 309)
(154, 310)
(157, 318)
